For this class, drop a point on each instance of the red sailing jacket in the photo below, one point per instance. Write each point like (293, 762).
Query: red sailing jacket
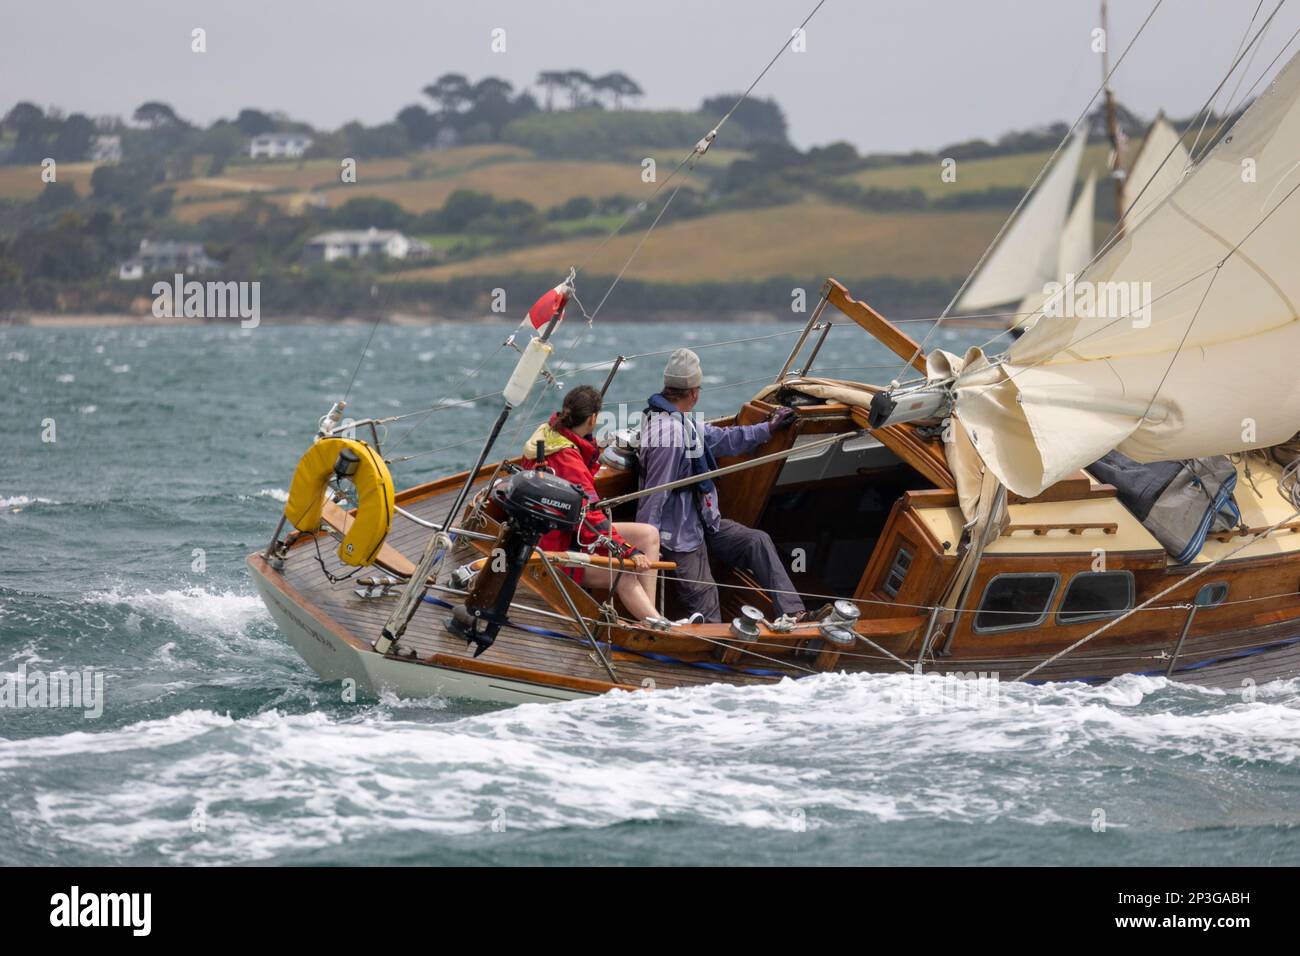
(574, 459)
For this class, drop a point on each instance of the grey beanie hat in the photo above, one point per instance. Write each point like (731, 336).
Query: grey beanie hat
(683, 370)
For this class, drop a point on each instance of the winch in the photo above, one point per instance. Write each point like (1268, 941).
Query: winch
(533, 503)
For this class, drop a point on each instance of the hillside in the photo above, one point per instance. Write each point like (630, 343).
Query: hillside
(795, 240)
(754, 215)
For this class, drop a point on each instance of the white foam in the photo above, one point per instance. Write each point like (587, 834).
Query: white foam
(196, 609)
(278, 494)
(22, 501)
(814, 752)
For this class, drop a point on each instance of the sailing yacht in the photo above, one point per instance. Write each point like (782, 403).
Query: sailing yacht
(954, 522)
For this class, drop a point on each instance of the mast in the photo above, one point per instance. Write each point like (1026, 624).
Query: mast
(521, 382)
(1112, 127)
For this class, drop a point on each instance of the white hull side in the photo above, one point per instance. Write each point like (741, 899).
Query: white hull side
(334, 659)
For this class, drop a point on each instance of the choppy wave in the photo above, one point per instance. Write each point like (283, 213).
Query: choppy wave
(192, 609)
(829, 752)
(22, 501)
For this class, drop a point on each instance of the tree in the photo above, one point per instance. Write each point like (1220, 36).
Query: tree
(56, 196)
(155, 115)
(72, 144)
(578, 84)
(549, 80)
(762, 119)
(451, 92)
(253, 122)
(492, 105)
(24, 116)
(420, 126)
(618, 85)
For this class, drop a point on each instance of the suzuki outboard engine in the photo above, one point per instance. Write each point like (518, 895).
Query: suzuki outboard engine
(533, 502)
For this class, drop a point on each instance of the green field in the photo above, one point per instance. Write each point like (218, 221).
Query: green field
(975, 175)
(801, 238)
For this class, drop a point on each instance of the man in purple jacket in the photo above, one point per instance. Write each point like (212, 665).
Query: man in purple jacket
(675, 445)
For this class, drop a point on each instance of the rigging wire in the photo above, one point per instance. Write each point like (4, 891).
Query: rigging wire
(920, 348)
(1112, 238)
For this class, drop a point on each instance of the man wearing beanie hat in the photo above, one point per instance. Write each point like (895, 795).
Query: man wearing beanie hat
(676, 445)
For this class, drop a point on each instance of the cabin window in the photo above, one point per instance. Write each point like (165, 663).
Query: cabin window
(897, 572)
(1094, 595)
(1211, 595)
(1015, 601)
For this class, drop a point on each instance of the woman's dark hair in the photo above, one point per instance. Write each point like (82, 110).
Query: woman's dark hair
(579, 405)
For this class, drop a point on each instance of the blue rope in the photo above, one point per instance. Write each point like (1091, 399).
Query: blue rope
(659, 658)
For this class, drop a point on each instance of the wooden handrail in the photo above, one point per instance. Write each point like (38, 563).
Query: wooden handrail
(1075, 527)
(1292, 527)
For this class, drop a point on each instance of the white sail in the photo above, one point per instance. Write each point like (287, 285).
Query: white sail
(1076, 240)
(1201, 359)
(1026, 258)
(1072, 258)
(1157, 169)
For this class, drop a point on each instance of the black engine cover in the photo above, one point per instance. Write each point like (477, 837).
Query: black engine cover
(540, 500)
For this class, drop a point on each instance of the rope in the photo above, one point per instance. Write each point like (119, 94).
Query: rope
(661, 658)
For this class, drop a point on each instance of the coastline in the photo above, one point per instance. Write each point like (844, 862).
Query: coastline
(56, 320)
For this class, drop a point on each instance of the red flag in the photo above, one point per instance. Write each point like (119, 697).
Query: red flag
(547, 306)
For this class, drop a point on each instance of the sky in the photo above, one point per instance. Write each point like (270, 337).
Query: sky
(885, 75)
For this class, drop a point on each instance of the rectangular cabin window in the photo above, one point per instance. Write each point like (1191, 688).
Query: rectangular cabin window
(1013, 602)
(897, 572)
(1094, 595)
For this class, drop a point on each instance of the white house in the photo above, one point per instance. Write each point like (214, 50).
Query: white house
(168, 255)
(106, 149)
(355, 243)
(278, 145)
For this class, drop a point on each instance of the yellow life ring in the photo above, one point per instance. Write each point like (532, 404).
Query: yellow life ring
(375, 503)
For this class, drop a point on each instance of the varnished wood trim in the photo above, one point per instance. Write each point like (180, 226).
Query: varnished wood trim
(884, 331)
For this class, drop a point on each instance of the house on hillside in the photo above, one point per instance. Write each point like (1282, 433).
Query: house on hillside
(355, 243)
(278, 145)
(167, 255)
(106, 149)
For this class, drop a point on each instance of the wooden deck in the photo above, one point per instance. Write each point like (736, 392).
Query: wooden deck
(562, 652)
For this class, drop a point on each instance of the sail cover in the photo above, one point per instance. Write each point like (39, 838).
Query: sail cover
(1157, 169)
(1185, 348)
(1026, 257)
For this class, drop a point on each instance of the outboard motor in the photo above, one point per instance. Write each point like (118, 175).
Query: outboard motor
(534, 502)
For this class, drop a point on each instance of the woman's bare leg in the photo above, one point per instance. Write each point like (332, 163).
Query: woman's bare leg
(645, 538)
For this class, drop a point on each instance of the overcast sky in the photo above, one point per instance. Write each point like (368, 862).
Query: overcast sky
(882, 74)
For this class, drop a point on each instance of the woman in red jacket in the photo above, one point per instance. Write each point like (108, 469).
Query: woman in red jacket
(573, 456)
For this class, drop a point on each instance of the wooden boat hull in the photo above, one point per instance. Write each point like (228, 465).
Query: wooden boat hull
(337, 656)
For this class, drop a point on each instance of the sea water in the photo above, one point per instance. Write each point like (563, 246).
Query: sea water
(144, 463)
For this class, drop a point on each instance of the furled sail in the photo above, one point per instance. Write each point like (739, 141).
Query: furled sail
(1181, 341)
(1027, 256)
(1157, 169)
